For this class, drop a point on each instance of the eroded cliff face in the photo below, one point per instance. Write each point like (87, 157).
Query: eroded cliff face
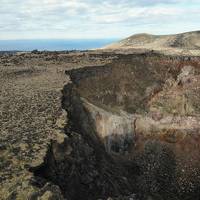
(133, 127)
(115, 130)
(77, 161)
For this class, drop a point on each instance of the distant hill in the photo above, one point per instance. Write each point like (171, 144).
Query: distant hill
(186, 41)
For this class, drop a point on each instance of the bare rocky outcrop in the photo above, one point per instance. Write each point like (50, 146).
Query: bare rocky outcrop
(82, 169)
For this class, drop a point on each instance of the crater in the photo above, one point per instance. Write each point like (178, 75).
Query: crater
(135, 94)
(133, 127)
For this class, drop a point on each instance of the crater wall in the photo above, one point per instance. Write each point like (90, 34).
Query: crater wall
(131, 130)
(137, 99)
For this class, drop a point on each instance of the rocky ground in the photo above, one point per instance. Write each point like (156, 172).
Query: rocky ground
(52, 142)
(30, 103)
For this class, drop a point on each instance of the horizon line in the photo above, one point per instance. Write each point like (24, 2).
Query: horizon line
(13, 39)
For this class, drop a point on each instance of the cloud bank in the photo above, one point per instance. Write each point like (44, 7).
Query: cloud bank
(21, 19)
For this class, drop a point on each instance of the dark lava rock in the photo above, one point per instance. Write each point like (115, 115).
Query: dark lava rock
(81, 171)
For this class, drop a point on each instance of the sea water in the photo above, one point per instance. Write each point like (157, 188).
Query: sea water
(54, 44)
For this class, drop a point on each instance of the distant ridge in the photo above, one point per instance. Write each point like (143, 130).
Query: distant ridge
(187, 41)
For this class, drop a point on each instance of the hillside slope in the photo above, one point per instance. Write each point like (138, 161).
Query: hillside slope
(184, 41)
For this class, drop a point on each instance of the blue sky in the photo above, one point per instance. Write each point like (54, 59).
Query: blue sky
(65, 19)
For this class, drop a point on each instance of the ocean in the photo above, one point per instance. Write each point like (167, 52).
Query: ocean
(53, 45)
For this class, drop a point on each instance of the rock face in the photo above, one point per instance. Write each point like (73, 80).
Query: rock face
(82, 169)
(115, 130)
(133, 128)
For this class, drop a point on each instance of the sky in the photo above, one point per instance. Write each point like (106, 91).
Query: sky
(92, 19)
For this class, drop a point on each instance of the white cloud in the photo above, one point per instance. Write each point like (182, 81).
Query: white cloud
(95, 18)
